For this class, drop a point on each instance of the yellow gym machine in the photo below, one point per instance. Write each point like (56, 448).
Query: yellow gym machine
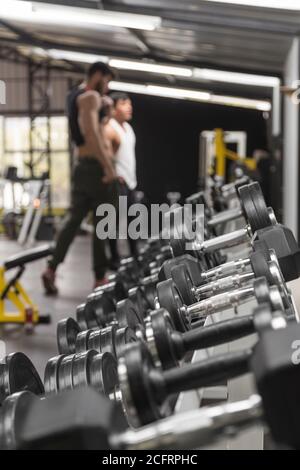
(223, 153)
(12, 290)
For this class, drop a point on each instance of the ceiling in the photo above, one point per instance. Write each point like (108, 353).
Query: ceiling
(193, 32)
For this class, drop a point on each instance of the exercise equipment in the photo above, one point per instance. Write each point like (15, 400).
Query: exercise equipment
(169, 346)
(112, 339)
(270, 270)
(134, 339)
(140, 369)
(182, 235)
(90, 368)
(83, 419)
(261, 267)
(182, 315)
(278, 240)
(12, 290)
(17, 373)
(139, 377)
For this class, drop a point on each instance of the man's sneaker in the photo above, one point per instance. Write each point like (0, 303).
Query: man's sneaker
(48, 279)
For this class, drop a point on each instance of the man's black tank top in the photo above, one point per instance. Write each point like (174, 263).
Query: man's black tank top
(73, 115)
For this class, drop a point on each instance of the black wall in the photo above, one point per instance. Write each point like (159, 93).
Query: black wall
(168, 140)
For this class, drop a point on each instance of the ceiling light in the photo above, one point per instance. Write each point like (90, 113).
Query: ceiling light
(151, 68)
(234, 77)
(128, 87)
(259, 105)
(122, 64)
(43, 13)
(193, 95)
(76, 56)
(178, 93)
(11, 7)
(184, 72)
(277, 4)
(165, 92)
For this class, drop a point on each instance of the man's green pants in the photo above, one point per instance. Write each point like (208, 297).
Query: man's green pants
(88, 192)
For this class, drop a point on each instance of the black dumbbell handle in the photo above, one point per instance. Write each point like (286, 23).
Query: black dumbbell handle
(220, 333)
(205, 373)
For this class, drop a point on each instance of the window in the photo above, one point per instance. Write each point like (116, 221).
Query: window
(32, 151)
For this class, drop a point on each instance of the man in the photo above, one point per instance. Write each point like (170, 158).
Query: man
(94, 177)
(122, 140)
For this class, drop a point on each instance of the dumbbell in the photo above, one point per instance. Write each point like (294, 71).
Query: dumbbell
(220, 191)
(84, 419)
(119, 284)
(281, 239)
(169, 346)
(125, 325)
(56, 422)
(183, 316)
(142, 295)
(90, 368)
(214, 219)
(231, 188)
(260, 268)
(110, 339)
(126, 315)
(155, 250)
(159, 329)
(192, 291)
(138, 376)
(17, 373)
(166, 345)
(61, 374)
(115, 288)
(101, 310)
(71, 339)
(277, 238)
(140, 298)
(132, 274)
(199, 272)
(255, 211)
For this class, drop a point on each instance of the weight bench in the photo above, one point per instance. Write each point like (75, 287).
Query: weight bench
(12, 290)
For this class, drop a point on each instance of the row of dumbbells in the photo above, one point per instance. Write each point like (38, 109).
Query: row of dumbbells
(267, 232)
(145, 269)
(137, 374)
(141, 389)
(189, 292)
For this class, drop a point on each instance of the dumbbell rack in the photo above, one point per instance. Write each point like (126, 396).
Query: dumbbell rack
(235, 390)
